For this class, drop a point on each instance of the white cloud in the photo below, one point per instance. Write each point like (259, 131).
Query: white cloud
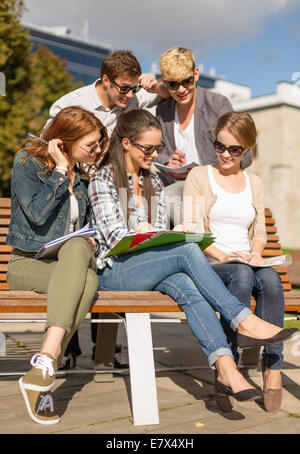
(152, 27)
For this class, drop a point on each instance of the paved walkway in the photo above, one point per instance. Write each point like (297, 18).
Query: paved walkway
(186, 402)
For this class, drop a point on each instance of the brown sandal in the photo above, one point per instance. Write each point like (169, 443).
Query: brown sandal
(272, 397)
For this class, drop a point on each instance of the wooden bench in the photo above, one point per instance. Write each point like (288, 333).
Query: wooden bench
(137, 307)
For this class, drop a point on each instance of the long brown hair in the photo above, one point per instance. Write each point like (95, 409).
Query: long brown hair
(130, 125)
(69, 125)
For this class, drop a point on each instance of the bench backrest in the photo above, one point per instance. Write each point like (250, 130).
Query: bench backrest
(272, 249)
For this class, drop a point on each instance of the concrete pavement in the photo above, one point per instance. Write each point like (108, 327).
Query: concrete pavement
(185, 396)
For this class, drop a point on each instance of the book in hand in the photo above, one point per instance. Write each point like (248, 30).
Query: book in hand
(50, 250)
(140, 241)
(178, 170)
(279, 260)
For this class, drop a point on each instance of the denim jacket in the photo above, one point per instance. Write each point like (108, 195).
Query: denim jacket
(40, 204)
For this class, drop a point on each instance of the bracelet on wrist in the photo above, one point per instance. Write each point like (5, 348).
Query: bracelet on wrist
(61, 168)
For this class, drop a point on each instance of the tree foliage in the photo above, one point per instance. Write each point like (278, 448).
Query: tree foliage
(34, 80)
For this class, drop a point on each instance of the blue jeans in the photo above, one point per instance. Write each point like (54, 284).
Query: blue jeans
(182, 272)
(264, 284)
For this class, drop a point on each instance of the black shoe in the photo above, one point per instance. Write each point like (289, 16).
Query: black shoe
(225, 403)
(120, 362)
(283, 335)
(241, 396)
(68, 362)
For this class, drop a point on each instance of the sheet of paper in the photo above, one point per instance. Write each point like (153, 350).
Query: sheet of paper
(178, 170)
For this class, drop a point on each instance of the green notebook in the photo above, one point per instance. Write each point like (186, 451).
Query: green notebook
(137, 242)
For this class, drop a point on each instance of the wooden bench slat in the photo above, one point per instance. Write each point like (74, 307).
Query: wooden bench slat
(270, 229)
(273, 245)
(272, 238)
(271, 253)
(270, 221)
(4, 286)
(268, 212)
(114, 302)
(4, 222)
(5, 202)
(5, 248)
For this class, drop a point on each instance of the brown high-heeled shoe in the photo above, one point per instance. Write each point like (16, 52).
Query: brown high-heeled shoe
(225, 403)
(272, 397)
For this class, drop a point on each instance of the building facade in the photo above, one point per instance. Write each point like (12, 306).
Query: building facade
(83, 59)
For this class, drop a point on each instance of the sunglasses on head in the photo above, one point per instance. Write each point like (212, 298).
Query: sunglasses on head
(233, 150)
(123, 89)
(148, 149)
(174, 85)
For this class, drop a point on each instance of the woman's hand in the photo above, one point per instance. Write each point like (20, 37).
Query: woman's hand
(54, 151)
(92, 244)
(256, 259)
(144, 227)
(183, 228)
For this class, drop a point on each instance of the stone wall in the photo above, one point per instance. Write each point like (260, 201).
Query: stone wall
(278, 164)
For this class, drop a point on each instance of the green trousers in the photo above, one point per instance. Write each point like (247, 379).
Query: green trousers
(70, 283)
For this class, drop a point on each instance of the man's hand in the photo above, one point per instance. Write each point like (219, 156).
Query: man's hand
(150, 84)
(177, 159)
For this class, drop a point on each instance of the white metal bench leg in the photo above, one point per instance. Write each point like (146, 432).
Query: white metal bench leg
(2, 344)
(142, 371)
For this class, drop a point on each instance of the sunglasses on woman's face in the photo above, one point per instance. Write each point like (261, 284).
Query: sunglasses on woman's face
(174, 85)
(149, 149)
(233, 150)
(91, 149)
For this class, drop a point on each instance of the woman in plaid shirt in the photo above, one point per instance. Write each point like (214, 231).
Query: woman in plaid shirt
(120, 194)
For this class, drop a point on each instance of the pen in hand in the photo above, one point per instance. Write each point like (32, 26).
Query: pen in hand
(38, 138)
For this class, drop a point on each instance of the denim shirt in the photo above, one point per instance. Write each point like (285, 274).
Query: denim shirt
(40, 203)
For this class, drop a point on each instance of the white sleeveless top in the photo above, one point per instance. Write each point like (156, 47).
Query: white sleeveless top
(230, 218)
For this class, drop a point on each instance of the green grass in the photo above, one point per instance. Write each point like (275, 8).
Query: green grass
(291, 323)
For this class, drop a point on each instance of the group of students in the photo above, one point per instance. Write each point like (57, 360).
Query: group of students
(103, 144)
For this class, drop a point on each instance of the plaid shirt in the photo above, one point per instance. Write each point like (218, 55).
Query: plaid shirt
(107, 214)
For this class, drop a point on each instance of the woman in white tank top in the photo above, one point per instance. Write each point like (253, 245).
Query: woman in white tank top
(233, 210)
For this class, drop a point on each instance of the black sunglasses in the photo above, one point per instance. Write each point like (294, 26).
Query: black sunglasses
(149, 149)
(123, 90)
(174, 86)
(233, 150)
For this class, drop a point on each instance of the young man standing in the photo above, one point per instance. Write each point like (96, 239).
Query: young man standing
(188, 119)
(120, 87)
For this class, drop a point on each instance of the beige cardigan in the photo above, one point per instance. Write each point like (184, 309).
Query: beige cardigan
(198, 200)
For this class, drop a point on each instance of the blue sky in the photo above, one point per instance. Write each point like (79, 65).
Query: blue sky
(262, 60)
(252, 42)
